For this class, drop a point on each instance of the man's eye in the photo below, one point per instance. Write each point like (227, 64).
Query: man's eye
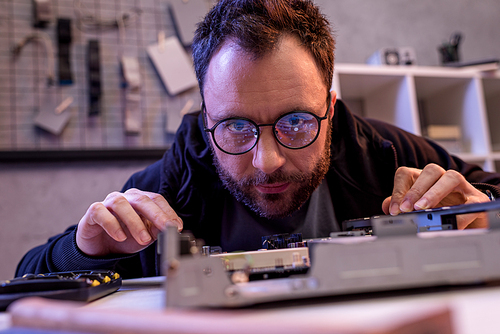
(237, 126)
(294, 121)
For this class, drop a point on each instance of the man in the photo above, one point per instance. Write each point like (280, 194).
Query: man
(272, 151)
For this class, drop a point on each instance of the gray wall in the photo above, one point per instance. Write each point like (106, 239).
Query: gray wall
(363, 26)
(39, 200)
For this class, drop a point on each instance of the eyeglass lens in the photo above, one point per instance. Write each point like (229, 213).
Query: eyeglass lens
(235, 135)
(294, 130)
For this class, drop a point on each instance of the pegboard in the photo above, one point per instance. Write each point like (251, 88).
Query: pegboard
(23, 79)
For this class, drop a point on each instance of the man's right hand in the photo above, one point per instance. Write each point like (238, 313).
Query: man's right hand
(124, 223)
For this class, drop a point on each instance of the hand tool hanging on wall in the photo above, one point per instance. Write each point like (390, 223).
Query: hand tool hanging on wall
(132, 83)
(94, 77)
(42, 37)
(64, 46)
(42, 13)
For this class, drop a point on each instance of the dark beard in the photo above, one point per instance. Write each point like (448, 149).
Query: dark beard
(274, 206)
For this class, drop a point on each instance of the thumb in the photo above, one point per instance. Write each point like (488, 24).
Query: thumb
(385, 205)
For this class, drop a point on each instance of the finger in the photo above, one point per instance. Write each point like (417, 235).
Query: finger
(454, 189)
(451, 183)
(99, 218)
(124, 211)
(472, 220)
(386, 204)
(172, 217)
(155, 208)
(152, 229)
(422, 185)
(403, 180)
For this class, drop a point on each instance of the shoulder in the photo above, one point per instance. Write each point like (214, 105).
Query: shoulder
(347, 123)
(371, 133)
(147, 179)
(189, 151)
(188, 164)
(191, 141)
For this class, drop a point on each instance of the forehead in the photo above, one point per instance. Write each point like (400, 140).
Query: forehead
(239, 84)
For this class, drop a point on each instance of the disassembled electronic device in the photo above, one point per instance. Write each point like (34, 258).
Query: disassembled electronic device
(439, 219)
(80, 285)
(395, 256)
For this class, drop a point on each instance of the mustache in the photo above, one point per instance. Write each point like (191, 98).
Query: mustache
(260, 178)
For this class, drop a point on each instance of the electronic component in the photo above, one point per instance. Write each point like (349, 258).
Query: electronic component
(266, 264)
(132, 85)
(438, 219)
(278, 241)
(42, 13)
(82, 285)
(396, 257)
(64, 47)
(94, 77)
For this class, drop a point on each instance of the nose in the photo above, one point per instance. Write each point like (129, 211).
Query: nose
(267, 155)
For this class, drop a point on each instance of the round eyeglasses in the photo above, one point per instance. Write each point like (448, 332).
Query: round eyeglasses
(293, 130)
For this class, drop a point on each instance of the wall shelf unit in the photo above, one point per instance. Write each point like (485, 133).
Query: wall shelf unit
(457, 107)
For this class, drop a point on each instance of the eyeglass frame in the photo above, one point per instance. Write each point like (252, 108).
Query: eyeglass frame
(258, 126)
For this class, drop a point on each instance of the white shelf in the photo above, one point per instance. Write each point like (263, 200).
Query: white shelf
(413, 97)
(491, 87)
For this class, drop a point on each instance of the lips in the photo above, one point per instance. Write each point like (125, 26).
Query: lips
(273, 188)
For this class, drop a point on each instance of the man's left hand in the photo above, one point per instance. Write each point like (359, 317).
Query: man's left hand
(433, 187)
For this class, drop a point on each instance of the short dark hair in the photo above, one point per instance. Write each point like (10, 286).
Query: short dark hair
(257, 26)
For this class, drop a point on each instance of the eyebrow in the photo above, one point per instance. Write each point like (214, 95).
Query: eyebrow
(220, 118)
(232, 114)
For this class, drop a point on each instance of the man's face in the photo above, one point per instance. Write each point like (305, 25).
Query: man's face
(272, 180)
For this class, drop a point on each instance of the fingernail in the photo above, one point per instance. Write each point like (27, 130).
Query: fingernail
(394, 210)
(406, 206)
(121, 236)
(422, 204)
(179, 224)
(145, 237)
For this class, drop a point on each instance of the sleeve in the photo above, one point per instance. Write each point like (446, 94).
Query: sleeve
(61, 253)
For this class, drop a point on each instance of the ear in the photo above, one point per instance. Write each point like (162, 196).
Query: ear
(333, 95)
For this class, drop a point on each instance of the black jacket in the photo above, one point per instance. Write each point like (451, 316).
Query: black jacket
(365, 156)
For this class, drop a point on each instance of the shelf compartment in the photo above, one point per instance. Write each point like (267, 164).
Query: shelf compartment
(454, 101)
(381, 96)
(491, 87)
